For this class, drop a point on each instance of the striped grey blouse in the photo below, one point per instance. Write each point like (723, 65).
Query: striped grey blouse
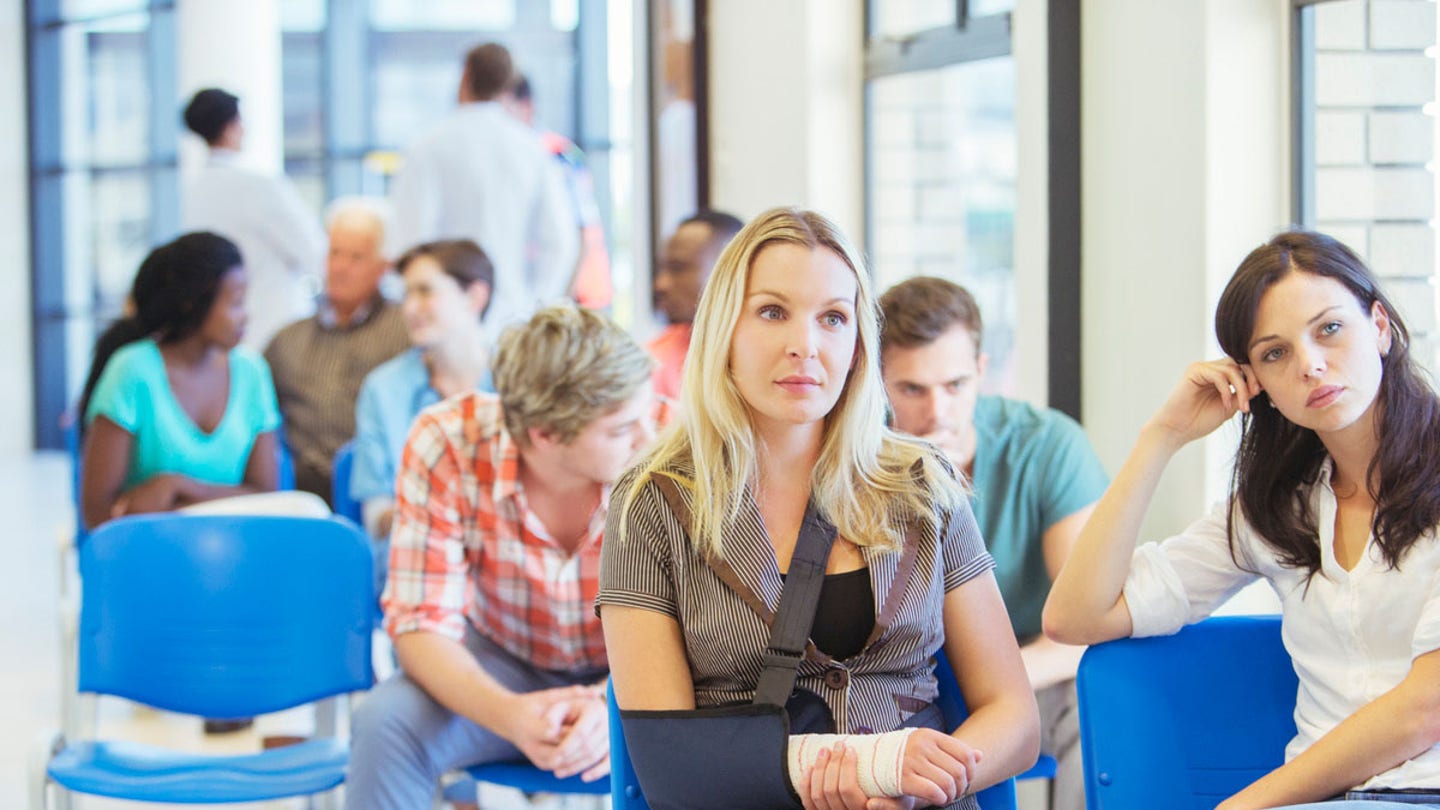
(656, 568)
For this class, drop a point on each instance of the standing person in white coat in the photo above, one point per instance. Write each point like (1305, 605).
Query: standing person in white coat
(482, 175)
(278, 235)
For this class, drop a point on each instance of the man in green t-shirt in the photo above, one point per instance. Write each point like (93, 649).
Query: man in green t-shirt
(1034, 476)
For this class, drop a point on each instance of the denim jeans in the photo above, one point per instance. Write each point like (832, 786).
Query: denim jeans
(402, 740)
(1373, 801)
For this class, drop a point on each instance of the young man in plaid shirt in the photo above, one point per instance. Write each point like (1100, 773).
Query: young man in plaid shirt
(494, 558)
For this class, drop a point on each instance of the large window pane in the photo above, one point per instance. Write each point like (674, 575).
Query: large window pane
(72, 9)
(443, 15)
(902, 18)
(416, 77)
(677, 164)
(1371, 178)
(105, 93)
(942, 189)
(121, 233)
(302, 65)
(980, 8)
(303, 15)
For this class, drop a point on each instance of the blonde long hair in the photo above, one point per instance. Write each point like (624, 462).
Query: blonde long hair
(868, 480)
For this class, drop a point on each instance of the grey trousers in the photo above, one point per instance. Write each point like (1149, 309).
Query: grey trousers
(1060, 738)
(402, 740)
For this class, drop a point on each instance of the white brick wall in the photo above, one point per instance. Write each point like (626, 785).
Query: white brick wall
(1340, 26)
(1373, 79)
(1406, 249)
(1374, 193)
(1416, 301)
(1339, 138)
(1402, 24)
(1401, 137)
(1374, 178)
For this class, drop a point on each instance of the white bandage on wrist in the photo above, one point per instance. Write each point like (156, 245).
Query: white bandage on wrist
(879, 759)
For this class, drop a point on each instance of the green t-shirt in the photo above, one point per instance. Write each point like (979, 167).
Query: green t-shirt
(134, 393)
(1033, 468)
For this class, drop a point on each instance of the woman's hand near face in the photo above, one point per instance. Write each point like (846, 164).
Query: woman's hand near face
(1207, 396)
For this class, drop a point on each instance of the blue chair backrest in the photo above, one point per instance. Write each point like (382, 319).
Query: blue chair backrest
(1185, 721)
(340, 501)
(952, 703)
(225, 616)
(284, 462)
(625, 791)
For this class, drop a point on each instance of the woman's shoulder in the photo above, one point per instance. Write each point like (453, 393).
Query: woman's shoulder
(137, 357)
(248, 361)
(401, 368)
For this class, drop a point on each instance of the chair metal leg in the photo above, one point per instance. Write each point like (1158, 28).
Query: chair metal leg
(38, 787)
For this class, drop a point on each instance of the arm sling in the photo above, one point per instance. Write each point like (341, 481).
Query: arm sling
(726, 757)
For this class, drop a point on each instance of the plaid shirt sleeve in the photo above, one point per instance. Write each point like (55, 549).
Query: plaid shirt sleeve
(429, 575)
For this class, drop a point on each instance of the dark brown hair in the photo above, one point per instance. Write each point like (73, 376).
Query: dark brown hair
(461, 259)
(488, 71)
(1279, 461)
(919, 310)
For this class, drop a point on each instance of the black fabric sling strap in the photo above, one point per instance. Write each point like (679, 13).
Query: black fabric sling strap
(795, 615)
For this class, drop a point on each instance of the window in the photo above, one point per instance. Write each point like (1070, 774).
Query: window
(360, 79)
(103, 176)
(942, 191)
(941, 159)
(1365, 173)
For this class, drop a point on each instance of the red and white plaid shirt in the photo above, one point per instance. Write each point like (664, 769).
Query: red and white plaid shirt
(465, 546)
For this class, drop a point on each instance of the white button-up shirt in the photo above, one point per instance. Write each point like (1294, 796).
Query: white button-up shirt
(279, 237)
(482, 175)
(1352, 635)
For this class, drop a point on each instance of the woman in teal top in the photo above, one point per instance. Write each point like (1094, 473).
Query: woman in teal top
(175, 412)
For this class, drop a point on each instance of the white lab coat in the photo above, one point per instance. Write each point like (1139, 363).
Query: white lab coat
(482, 175)
(279, 237)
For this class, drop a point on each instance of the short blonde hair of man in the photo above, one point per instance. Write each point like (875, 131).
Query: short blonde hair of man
(869, 481)
(563, 369)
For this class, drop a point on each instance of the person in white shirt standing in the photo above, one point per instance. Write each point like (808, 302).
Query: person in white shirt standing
(278, 235)
(482, 175)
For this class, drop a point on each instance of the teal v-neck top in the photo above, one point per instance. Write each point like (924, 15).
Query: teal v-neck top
(134, 393)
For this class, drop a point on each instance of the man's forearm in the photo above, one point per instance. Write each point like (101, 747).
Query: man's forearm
(451, 675)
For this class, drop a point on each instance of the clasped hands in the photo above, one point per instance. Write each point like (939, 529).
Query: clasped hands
(564, 730)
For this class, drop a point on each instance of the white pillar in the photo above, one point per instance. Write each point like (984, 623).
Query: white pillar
(1185, 170)
(15, 365)
(786, 122)
(236, 47)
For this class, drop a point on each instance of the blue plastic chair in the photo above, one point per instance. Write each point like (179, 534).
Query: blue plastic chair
(218, 616)
(1185, 721)
(526, 777)
(625, 792)
(340, 501)
(952, 703)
